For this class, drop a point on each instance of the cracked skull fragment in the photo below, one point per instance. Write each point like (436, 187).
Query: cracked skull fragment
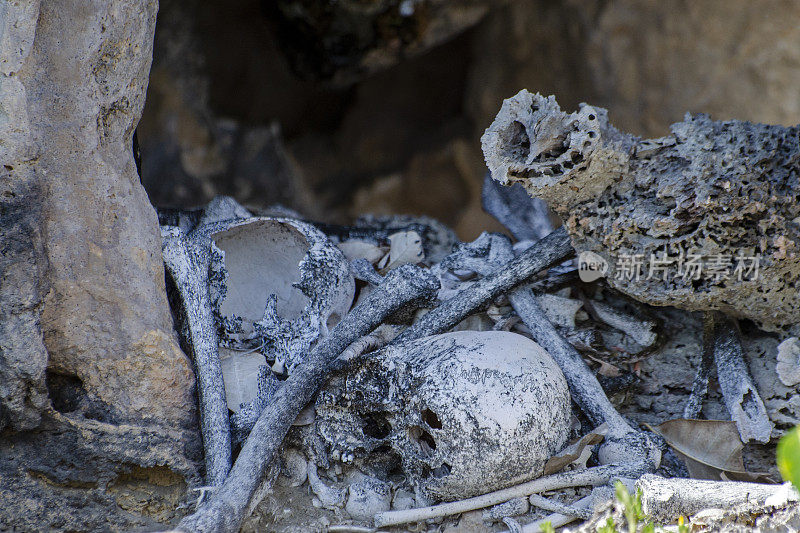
(281, 283)
(464, 412)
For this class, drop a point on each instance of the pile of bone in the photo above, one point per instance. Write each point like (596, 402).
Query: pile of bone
(478, 409)
(458, 394)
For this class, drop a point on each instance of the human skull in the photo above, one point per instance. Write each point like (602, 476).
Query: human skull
(281, 280)
(466, 412)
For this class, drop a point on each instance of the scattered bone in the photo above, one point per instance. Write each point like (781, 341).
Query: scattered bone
(329, 497)
(514, 507)
(595, 476)
(549, 251)
(403, 500)
(663, 499)
(404, 247)
(584, 340)
(294, 466)
(355, 249)
(694, 406)
(306, 416)
(513, 525)
(187, 259)
(375, 340)
(346, 528)
(641, 331)
(557, 519)
(465, 411)
(740, 394)
(243, 420)
(788, 366)
(528, 219)
(559, 310)
(437, 239)
(549, 505)
(239, 372)
(283, 282)
(623, 444)
(364, 271)
(224, 511)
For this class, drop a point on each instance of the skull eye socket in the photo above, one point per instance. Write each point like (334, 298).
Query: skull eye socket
(430, 418)
(441, 471)
(375, 426)
(423, 439)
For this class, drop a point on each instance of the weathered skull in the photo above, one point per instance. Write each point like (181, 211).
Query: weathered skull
(467, 412)
(282, 281)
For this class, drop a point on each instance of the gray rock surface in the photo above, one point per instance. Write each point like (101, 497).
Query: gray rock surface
(23, 262)
(466, 412)
(82, 276)
(717, 193)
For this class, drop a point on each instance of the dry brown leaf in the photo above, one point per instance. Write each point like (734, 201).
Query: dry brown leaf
(606, 369)
(711, 449)
(406, 247)
(575, 451)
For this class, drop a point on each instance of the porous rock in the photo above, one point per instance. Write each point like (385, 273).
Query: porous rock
(466, 412)
(716, 192)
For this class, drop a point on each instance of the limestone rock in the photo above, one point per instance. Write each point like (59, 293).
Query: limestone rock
(23, 262)
(647, 63)
(705, 218)
(82, 275)
(74, 474)
(105, 318)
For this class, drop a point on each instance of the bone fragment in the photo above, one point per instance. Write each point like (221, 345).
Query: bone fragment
(558, 519)
(549, 505)
(664, 499)
(694, 405)
(736, 383)
(187, 258)
(599, 475)
(547, 252)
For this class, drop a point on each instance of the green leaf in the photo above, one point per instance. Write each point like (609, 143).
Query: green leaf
(609, 526)
(788, 456)
(547, 527)
(631, 509)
